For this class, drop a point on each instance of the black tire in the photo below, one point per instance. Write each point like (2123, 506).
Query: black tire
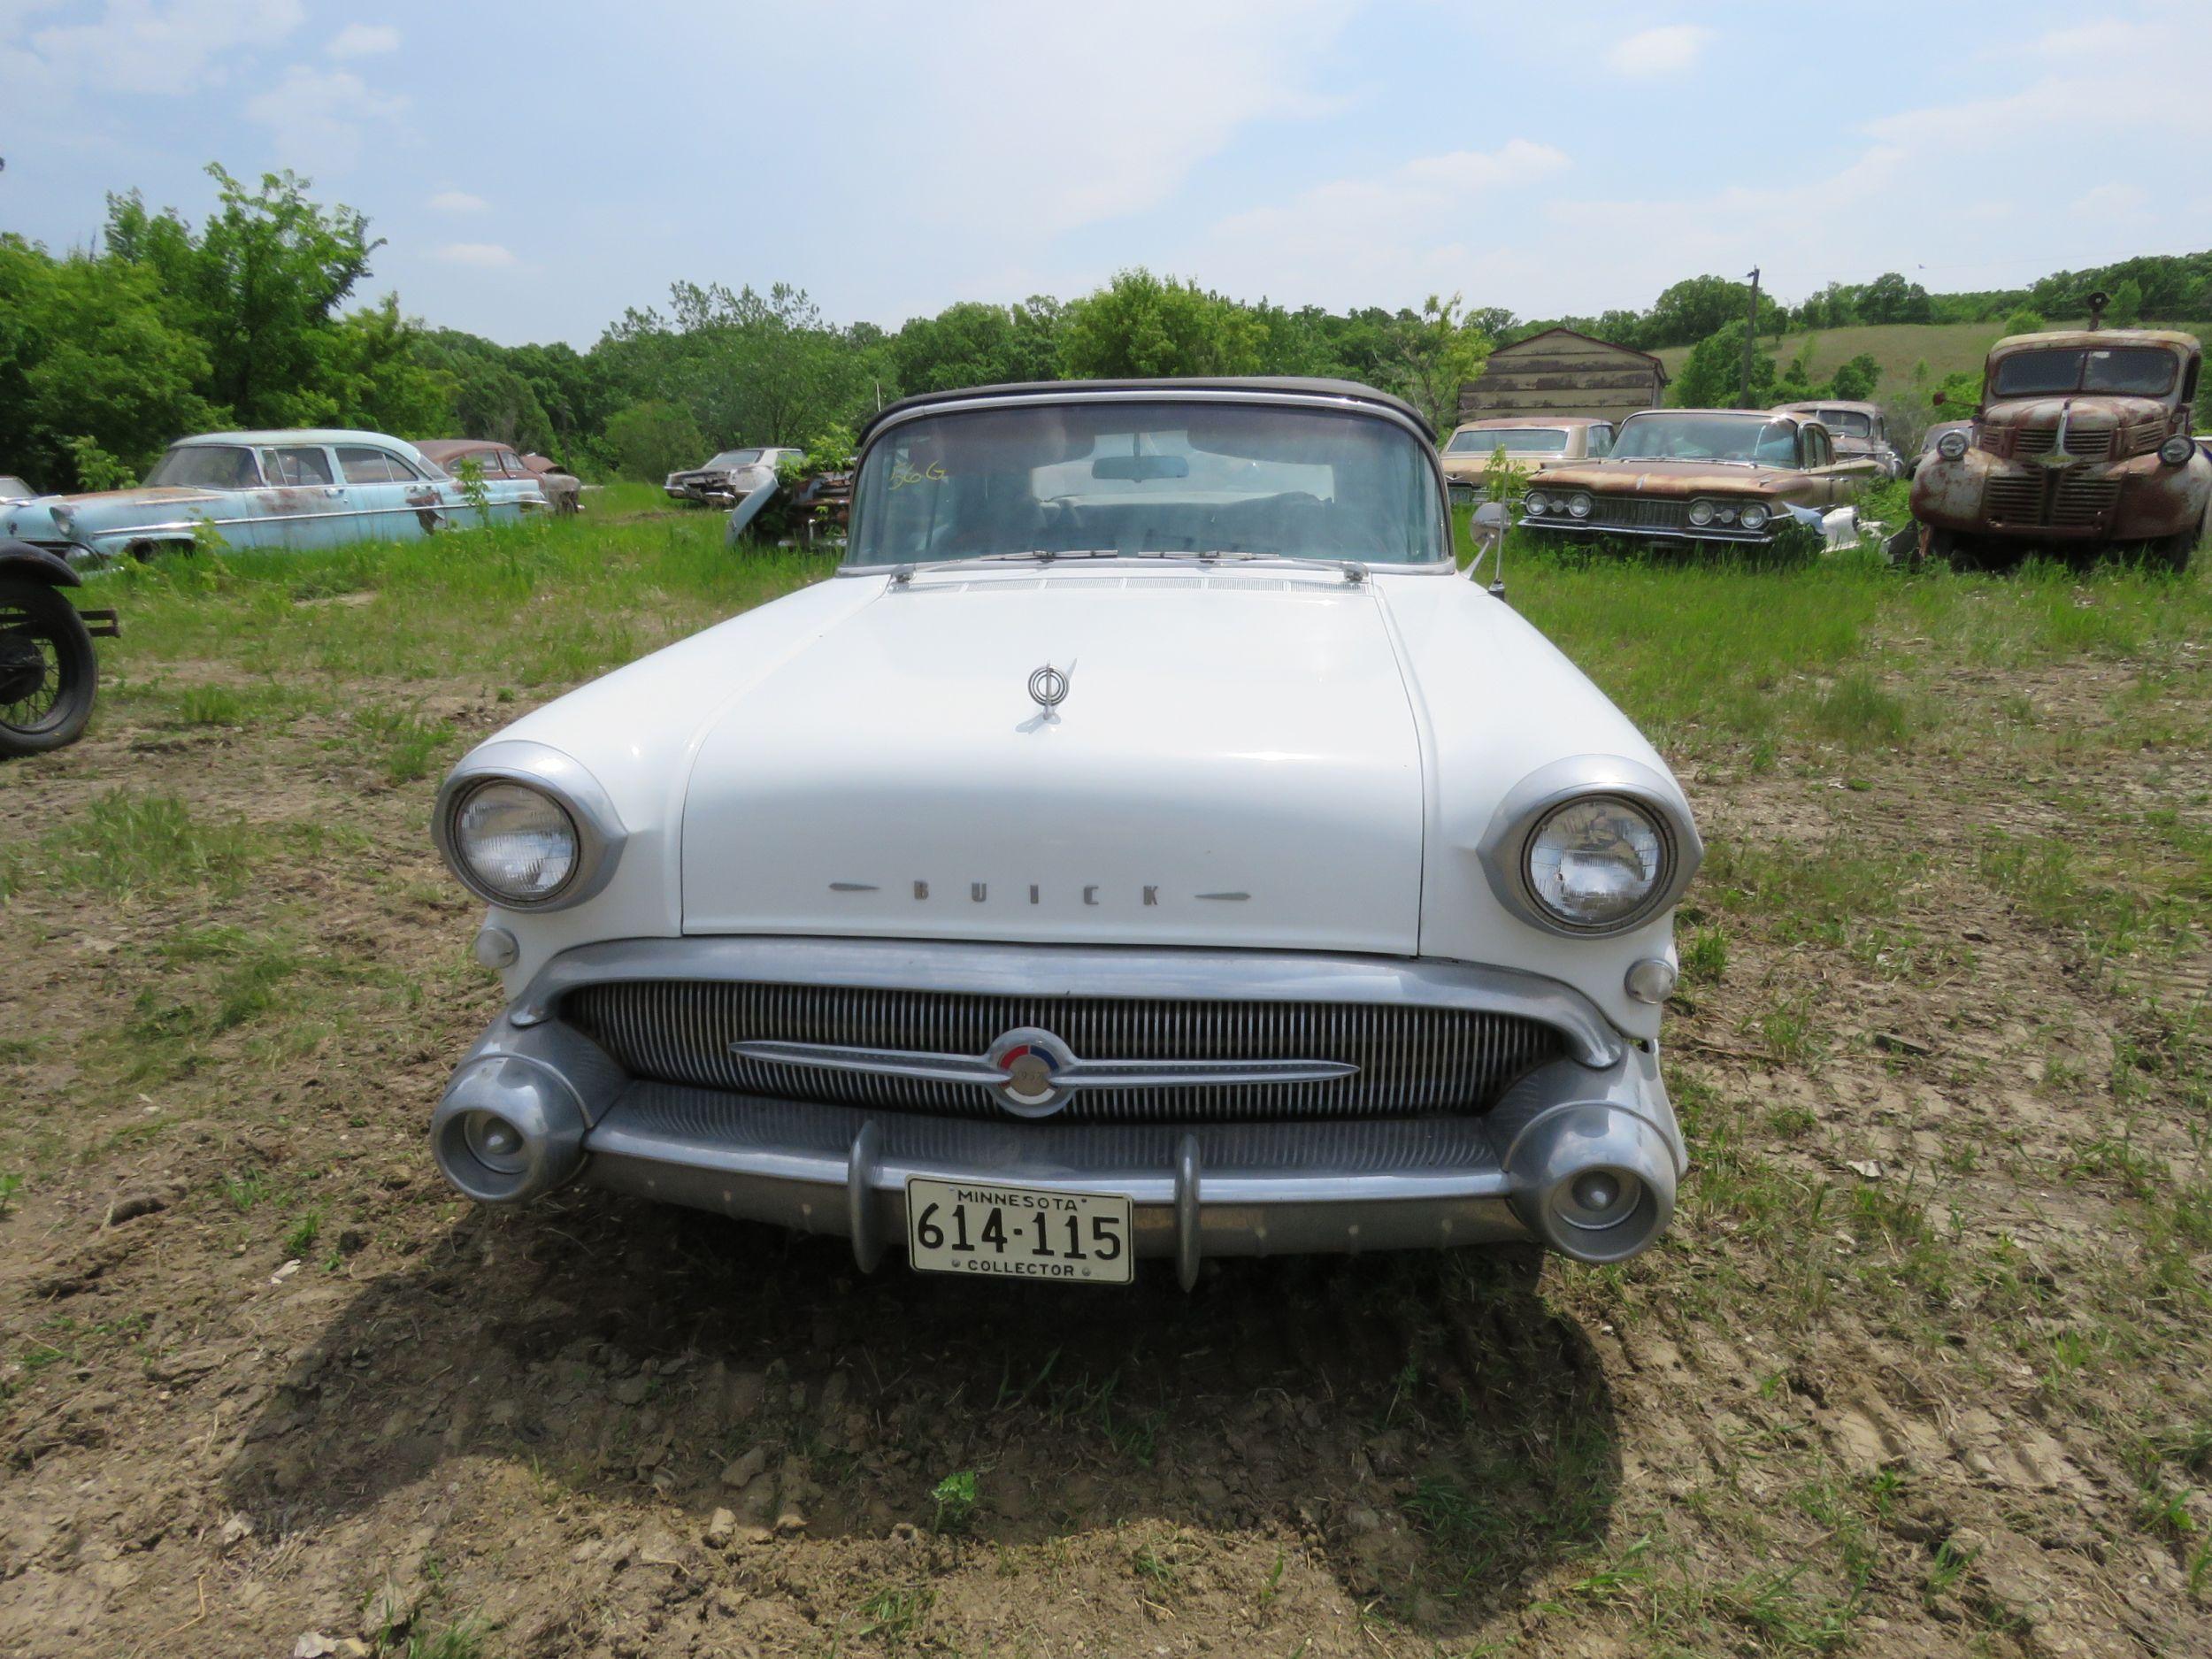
(48, 672)
(2174, 552)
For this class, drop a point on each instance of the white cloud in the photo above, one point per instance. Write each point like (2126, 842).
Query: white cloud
(364, 39)
(2112, 200)
(140, 46)
(457, 202)
(1087, 121)
(315, 117)
(1375, 236)
(485, 255)
(1666, 51)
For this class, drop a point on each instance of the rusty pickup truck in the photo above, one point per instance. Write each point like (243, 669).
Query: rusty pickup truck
(2081, 443)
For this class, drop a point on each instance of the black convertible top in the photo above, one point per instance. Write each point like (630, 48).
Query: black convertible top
(1349, 390)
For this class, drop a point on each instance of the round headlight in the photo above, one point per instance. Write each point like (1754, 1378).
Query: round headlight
(2177, 450)
(1701, 512)
(1537, 502)
(1951, 445)
(516, 844)
(1578, 504)
(1753, 517)
(1595, 863)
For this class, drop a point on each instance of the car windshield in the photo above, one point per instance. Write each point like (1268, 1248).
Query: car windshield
(736, 458)
(1141, 477)
(1512, 440)
(207, 466)
(2143, 370)
(1706, 436)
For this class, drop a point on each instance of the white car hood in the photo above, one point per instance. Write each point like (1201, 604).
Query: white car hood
(1236, 762)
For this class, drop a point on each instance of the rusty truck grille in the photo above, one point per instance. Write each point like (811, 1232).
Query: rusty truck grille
(1628, 512)
(1411, 1059)
(2066, 502)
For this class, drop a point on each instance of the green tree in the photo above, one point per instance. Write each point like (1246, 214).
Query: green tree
(2026, 320)
(90, 368)
(2126, 308)
(1712, 375)
(650, 440)
(1890, 298)
(1854, 381)
(1438, 354)
(970, 344)
(1139, 326)
(260, 285)
(1694, 308)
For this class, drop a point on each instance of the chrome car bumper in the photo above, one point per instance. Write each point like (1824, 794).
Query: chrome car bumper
(563, 1111)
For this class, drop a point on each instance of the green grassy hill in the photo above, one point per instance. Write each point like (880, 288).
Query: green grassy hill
(1946, 348)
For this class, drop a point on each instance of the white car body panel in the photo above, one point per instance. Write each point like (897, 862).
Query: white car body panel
(1335, 751)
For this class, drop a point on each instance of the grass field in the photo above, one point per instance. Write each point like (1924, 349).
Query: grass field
(1899, 347)
(1924, 1366)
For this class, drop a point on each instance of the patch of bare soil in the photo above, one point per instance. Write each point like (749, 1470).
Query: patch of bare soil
(603, 1428)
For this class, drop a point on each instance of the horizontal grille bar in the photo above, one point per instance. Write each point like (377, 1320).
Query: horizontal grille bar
(1411, 1059)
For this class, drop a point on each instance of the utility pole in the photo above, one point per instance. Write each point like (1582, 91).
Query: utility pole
(1750, 341)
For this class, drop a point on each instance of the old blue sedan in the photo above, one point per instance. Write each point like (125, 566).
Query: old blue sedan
(271, 490)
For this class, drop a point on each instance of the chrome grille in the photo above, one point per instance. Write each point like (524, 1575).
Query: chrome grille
(1630, 512)
(1411, 1059)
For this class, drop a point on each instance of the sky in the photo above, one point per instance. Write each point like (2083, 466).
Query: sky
(537, 170)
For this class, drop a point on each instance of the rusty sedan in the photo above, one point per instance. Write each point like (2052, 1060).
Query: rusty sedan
(501, 460)
(1725, 475)
(2082, 443)
(1857, 429)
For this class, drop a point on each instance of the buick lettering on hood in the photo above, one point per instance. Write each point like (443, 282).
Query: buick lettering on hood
(1147, 845)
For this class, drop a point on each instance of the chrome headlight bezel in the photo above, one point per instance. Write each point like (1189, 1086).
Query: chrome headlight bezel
(1505, 845)
(1952, 446)
(1579, 505)
(2177, 449)
(1700, 513)
(1744, 516)
(1536, 504)
(562, 781)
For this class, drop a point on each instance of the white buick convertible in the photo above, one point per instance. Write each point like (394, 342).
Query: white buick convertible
(1148, 844)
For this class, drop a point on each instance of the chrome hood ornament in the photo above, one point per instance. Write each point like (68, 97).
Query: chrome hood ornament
(1049, 688)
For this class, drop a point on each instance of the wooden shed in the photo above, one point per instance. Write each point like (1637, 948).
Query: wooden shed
(1562, 372)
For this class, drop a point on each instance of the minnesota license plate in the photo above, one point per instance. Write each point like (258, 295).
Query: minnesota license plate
(990, 1231)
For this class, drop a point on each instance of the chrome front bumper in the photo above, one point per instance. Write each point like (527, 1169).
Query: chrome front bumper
(1207, 1189)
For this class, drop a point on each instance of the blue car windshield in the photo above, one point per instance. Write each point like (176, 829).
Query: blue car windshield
(1137, 478)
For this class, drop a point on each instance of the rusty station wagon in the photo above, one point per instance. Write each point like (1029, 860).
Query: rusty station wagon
(1857, 429)
(2082, 443)
(1705, 475)
(1530, 445)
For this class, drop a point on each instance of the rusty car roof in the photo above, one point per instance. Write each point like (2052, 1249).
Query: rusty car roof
(1489, 422)
(1814, 405)
(1258, 384)
(2179, 341)
(438, 448)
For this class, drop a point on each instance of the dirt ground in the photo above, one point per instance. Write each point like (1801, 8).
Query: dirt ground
(1920, 1370)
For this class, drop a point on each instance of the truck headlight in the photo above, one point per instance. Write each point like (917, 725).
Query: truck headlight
(2177, 450)
(525, 827)
(1596, 862)
(1951, 445)
(514, 843)
(1753, 517)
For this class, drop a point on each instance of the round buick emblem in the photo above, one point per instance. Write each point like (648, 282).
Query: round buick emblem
(1050, 686)
(1033, 1065)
